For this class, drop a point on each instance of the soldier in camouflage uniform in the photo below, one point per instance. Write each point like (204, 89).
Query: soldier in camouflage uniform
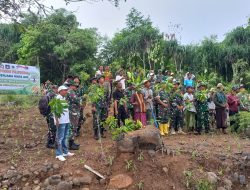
(100, 110)
(52, 92)
(163, 112)
(128, 93)
(74, 113)
(94, 113)
(80, 92)
(202, 111)
(244, 98)
(176, 109)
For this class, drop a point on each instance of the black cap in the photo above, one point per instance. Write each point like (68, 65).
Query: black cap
(93, 78)
(99, 76)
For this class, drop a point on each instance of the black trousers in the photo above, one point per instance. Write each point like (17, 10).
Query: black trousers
(122, 115)
(51, 129)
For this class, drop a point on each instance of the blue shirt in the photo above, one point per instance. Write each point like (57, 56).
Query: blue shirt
(188, 82)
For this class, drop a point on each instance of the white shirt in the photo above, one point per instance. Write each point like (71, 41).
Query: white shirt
(65, 116)
(211, 105)
(149, 101)
(118, 78)
(189, 97)
(98, 73)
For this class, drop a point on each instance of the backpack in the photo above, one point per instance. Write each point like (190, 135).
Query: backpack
(43, 105)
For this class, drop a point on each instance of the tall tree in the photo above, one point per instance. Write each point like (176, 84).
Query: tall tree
(56, 43)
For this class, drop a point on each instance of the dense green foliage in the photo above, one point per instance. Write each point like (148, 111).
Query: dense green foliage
(112, 126)
(59, 46)
(58, 106)
(142, 44)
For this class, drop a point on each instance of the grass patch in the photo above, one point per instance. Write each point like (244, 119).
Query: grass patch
(24, 101)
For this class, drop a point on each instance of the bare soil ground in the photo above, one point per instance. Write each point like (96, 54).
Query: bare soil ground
(188, 158)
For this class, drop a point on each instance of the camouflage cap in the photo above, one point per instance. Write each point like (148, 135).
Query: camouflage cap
(175, 81)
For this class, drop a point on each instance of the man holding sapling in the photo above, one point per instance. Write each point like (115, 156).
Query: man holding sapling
(99, 96)
(63, 125)
(176, 109)
(202, 109)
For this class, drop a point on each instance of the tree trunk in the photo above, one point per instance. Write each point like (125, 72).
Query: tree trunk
(64, 71)
(144, 64)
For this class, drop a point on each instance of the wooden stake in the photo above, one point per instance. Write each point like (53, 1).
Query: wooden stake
(93, 171)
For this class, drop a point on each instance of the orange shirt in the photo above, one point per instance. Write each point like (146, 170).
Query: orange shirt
(107, 75)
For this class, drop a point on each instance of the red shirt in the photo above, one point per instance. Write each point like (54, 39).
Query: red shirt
(233, 103)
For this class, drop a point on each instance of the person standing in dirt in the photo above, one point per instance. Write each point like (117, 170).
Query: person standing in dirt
(176, 109)
(137, 100)
(80, 92)
(120, 107)
(189, 80)
(128, 93)
(100, 109)
(202, 109)
(94, 113)
(120, 77)
(74, 113)
(63, 126)
(220, 101)
(211, 107)
(52, 93)
(189, 109)
(159, 76)
(108, 82)
(99, 71)
(233, 104)
(163, 112)
(244, 99)
(148, 98)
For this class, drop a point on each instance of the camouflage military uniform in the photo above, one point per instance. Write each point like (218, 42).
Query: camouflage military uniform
(74, 111)
(80, 92)
(51, 124)
(163, 113)
(176, 115)
(202, 116)
(244, 101)
(128, 94)
(101, 113)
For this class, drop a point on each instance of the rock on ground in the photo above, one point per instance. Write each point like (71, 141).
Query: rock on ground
(64, 186)
(228, 184)
(120, 181)
(212, 177)
(85, 180)
(146, 138)
(54, 180)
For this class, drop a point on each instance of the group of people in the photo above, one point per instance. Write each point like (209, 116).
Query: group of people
(181, 107)
(161, 100)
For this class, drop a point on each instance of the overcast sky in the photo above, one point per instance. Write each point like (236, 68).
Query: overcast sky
(198, 18)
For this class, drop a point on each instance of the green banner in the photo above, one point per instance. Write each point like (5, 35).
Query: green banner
(19, 79)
